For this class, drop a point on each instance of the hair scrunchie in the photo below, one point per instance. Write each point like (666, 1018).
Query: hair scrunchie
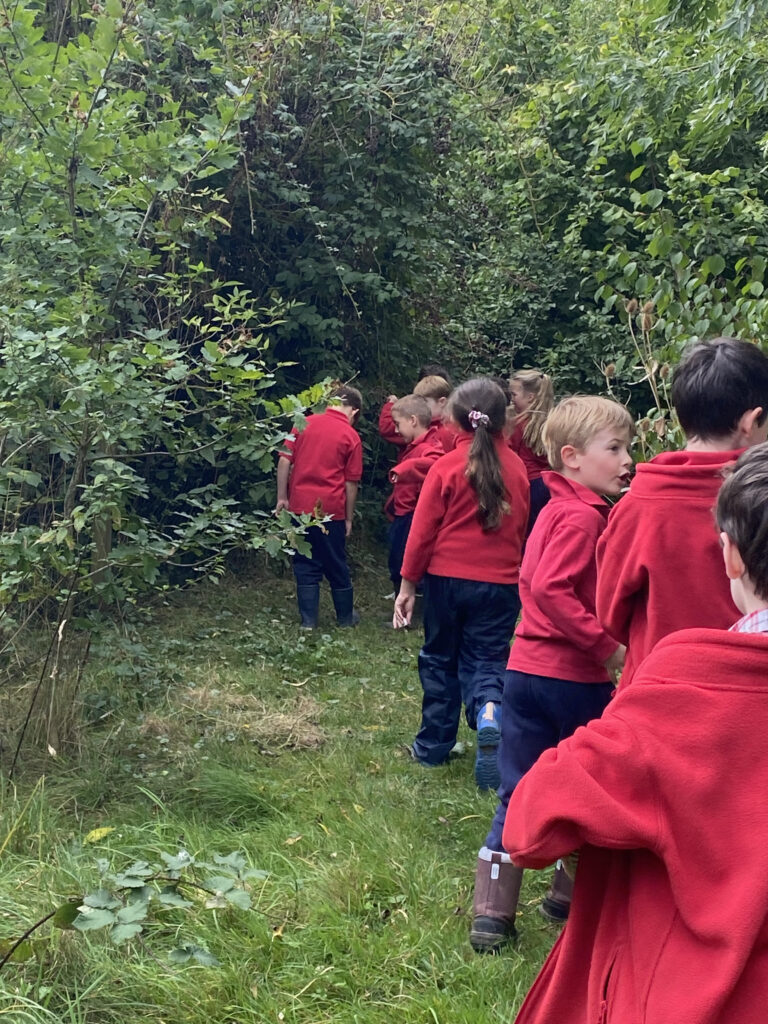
(476, 418)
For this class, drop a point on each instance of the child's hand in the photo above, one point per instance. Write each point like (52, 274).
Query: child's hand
(281, 504)
(404, 603)
(391, 398)
(615, 663)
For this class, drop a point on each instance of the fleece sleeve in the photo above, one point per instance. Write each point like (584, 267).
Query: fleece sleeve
(353, 467)
(427, 520)
(387, 428)
(412, 471)
(557, 582)
(595, 787)
(622, 577)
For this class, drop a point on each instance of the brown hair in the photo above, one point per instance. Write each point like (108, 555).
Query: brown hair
(348, 396)
(576, 420)
(538, 384)
(479, 407)
(413, 405)
(742, 513)
(432, 387)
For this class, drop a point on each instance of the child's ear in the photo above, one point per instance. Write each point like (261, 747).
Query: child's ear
(441, 402)
(734, 564)
(570, 456)
(748, 430)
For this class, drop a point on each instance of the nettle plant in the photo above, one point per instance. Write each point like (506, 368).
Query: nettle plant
(140, 901)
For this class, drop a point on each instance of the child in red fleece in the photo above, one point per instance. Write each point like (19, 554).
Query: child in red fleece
(561, 666)
(659, 562)
(412, 418)
(466, 541)
(532, 400)
(664, 796)
(436, 390)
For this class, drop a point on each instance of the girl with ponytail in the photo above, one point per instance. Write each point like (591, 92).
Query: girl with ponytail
(533, 398)
(466, 543)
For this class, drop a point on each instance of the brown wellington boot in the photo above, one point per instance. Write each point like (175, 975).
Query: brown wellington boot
(557, 903)
(497, 888)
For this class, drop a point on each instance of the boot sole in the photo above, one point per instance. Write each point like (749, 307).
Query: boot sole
(487, 767)
(557, 913)
(483, 942)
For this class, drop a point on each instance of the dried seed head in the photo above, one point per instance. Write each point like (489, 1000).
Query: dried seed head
(648, 306)
(664, 371)
(610, 370)
(644, 424)
(631, 306)
(646, 322)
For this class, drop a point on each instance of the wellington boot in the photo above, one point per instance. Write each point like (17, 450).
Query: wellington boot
(557, 903)
(497, 890)
(308, 600)
(343, 602)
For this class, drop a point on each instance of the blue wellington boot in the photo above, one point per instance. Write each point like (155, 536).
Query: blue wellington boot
(343, 602)
(488, 739)
(308, 600)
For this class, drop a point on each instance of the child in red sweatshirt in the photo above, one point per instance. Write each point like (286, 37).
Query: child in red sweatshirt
(436, 390)
(466, 541)
(561, 666)
(659, 562)
(532, 400)
(412, 418)
(664, 797)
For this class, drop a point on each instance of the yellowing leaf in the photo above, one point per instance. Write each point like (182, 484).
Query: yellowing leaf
(292, 839)
(97, 834)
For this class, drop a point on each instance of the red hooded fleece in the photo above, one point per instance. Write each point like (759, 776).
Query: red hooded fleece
(669, 921)
(659, 565)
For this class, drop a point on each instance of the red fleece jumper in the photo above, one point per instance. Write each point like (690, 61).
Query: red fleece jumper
(446, 537)
(669, 921)
(446, 434)
(409, 474)
(325, 455)
(534, 464)
(659, 562)
(559, 634)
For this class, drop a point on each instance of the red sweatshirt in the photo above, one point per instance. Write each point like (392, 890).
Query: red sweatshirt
(559, 634)
(669, 922)
(659, 562)
(446, 434)
(325, 455)
(534, 464)
(412, 467)
(446, 537)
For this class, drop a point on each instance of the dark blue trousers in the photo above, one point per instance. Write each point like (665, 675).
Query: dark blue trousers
(329, 557)
(536, 713)
(399, 529)
(467, 629)
(539, 498)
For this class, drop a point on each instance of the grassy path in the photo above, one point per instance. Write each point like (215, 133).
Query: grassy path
(244, 734)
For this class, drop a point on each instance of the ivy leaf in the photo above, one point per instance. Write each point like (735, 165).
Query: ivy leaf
(219, 883)
(133, 912)
(171, 898)
(102, 899)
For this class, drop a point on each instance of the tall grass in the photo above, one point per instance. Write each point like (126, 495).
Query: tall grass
(242, 733)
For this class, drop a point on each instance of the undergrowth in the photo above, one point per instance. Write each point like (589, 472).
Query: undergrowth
(238, 732)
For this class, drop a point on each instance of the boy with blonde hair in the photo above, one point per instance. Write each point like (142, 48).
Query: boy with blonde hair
(663, 797)
(436, 390)
(412, 417)
(561, 667)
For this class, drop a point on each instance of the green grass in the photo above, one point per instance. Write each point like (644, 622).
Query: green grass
(242, 733)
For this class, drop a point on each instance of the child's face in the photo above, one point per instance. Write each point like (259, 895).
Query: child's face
(603, 465)
(522, 400)
(408, 427)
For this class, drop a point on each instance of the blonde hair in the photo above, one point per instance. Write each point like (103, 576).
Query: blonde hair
(432, 387)
(413, 405)
(538, 384)
(575, 421)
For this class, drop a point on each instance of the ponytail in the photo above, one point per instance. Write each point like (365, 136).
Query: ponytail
(479, 407)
